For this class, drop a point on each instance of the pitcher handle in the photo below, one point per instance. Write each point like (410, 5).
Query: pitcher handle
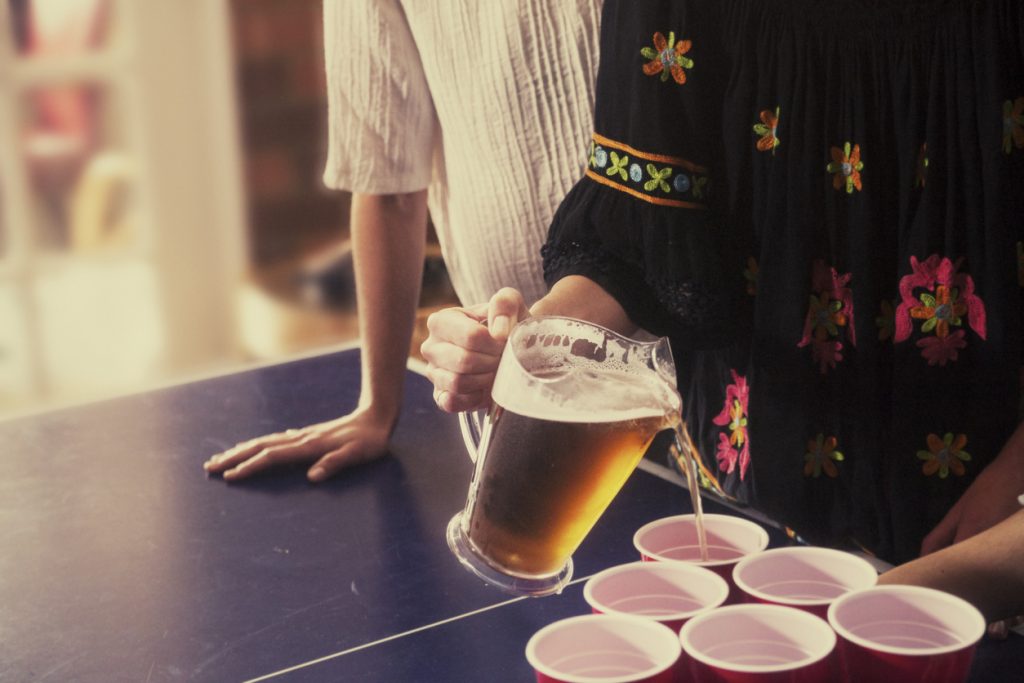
(471, 423)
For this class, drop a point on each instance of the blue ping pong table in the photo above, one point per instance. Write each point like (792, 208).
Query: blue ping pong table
(121, 561)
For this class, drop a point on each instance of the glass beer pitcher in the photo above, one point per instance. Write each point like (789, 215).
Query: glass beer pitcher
(574, 408)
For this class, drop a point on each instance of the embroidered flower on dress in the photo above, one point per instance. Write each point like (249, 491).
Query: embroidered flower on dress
(945, 454)
(886, 321)
(948, 296)
(939, 311)
(830, 308)
(658, 178)
(767, 130)
(618, 165)
(941, 350)
(1013, 124)
(750, 275)
(734, 446)
(921, 174)
(821, 453)
(668, 56)
(700, 186)
(846, 165)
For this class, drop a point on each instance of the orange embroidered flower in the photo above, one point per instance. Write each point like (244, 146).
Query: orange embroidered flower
(821, 452)
(846, 165)
(945, 454)
(767, 130)
(940, 311)
(668, 57)
(1013, 124)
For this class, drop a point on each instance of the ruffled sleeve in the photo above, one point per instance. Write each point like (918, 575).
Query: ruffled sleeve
(642, 222)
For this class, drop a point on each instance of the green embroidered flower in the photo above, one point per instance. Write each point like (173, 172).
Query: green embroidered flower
(700, 185)
(821, 453)
(658, 178)
(944, 454)
(826, 316)
(618, 165)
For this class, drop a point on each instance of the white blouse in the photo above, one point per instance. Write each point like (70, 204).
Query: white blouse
(486, 102)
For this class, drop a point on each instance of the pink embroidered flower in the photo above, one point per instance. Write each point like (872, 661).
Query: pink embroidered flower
(940, 350)
(830, 308)
(948, 296)
(826, 354)
(734, 446)
(726, 455)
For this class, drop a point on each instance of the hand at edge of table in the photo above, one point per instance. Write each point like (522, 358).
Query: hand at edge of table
(464, 348)
(332, 446)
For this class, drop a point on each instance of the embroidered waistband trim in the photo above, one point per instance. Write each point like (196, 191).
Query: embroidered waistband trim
(655, 178)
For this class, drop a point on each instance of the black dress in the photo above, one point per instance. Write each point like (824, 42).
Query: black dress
(821, 203)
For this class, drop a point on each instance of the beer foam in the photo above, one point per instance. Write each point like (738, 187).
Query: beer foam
(585, 394)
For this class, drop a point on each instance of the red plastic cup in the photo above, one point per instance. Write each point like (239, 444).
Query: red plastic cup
(905, 633)
(667, 592)
(602, 648)
(804, 577)
(758, 644)
(730, 539)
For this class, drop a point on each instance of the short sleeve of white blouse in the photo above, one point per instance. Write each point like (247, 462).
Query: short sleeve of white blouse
(381, 126)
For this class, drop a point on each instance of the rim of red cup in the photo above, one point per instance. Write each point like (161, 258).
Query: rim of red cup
(656, 629)
(762, 537)
(853, 560)
(970, 612)
(683, 568)
(811, 621)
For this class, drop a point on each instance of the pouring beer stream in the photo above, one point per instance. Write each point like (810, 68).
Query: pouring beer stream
(574, 408)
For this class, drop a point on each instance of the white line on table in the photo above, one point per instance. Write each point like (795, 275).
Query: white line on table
(396, 636)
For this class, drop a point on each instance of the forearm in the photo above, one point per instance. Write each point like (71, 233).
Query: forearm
(986, 570)
(388, 237)
(580, 297)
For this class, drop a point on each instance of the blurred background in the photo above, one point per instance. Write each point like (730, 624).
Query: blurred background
(162, 215)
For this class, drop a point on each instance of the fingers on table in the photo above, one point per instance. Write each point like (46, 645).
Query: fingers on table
(255, 455)
(348, 455)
